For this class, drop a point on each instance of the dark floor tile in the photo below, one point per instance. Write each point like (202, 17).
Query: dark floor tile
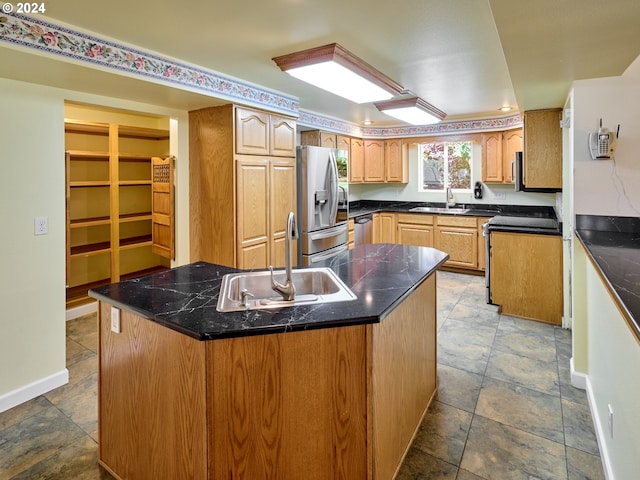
(568, 391)
(564, 353)
(521, 325)
(78, 461)
(563, 335)
(465, 330)
(524, 371)
(84, 330)
(471, 315)
(522, 408)
(498, 451)
(578, 427)
(584, 466)
(469, 357)
(464, 475)
(418, 465)
(458, 388)
(526, 344)
(23, 411)
(35, 439)
(77, 352)
(443, 432)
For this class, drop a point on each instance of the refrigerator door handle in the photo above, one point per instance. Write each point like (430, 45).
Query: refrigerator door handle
(318, 258)
(333, 183)
(327, 233)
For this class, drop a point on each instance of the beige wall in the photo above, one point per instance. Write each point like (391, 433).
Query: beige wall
(32, 284)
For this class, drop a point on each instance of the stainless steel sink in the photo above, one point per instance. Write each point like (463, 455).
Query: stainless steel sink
(252, 290)
(450, 210)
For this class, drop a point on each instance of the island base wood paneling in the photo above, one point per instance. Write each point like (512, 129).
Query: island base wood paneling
(289, 406)
(151, 400)
(341, 402)
(403, 377)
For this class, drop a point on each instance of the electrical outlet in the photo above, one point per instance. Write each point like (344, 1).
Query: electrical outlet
(41, 226)
(115, 320)
(610, 410)
(500, 195)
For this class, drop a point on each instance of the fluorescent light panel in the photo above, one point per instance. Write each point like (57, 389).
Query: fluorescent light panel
(411, 110)
(336, 70)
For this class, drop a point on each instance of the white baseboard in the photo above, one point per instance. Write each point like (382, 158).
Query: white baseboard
(82, 310)
(27, 392)
(600, 432)
(578, 380)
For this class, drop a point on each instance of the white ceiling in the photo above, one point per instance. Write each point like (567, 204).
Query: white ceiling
(466, 57)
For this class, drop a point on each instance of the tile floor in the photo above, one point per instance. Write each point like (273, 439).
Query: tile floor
(504, 409)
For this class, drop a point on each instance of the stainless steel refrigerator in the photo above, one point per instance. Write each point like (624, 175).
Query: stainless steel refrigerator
(323, 203)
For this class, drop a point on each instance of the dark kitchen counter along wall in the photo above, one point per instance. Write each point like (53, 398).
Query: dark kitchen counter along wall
(613, 243)
(363, 207)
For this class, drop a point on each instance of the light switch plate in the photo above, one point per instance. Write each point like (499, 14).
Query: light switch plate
(115, 320)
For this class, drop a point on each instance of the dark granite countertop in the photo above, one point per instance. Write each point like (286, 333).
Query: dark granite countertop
(525, 218)
(185, 298)
(614, 245)
(363, 207)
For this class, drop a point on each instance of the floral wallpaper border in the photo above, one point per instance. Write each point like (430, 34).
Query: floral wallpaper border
(314, 120)
(47, 37)
(61, 41)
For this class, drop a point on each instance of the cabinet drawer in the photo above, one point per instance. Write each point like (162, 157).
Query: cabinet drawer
(452, 221)
(417, 218)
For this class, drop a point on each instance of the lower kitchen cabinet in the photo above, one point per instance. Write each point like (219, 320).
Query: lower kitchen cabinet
(415, 229)
(526, 275)
(384, 228)
(458, 236)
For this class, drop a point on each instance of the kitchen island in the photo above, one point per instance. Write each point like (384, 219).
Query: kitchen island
(336, 390)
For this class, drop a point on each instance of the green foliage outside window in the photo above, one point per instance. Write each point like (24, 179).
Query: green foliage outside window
(445, 165)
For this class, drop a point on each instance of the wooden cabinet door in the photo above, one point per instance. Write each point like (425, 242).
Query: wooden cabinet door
(282, 140)
(282, 200)
(415, 234)
(252, 220)
(387, 228)
(511, 143)
(162, 207)
(343, 143)
(328, 140)
(526, 275)
(252, 132)
(374, 160)
(492, 157)
(376, 235)
(460, 243)
(396, 167)
(356, 161)
(543, 149)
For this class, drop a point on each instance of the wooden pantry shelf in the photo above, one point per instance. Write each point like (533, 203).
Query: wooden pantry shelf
(90, 249)
(135, 242)
(135, 217)
(89, 222)
(87, 155)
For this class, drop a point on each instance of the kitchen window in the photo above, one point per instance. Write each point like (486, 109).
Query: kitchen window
(445, 164)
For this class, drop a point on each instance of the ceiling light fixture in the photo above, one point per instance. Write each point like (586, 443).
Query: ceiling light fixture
(411, 109)
(506, 108)
(335, 69)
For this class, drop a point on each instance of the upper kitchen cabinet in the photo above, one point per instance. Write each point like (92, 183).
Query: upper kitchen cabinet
(374, 161)
(396, 162)
(543, 149)
(498, 151)
(384, 162)
(261, 133)
(356, 161)
(239, 201)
